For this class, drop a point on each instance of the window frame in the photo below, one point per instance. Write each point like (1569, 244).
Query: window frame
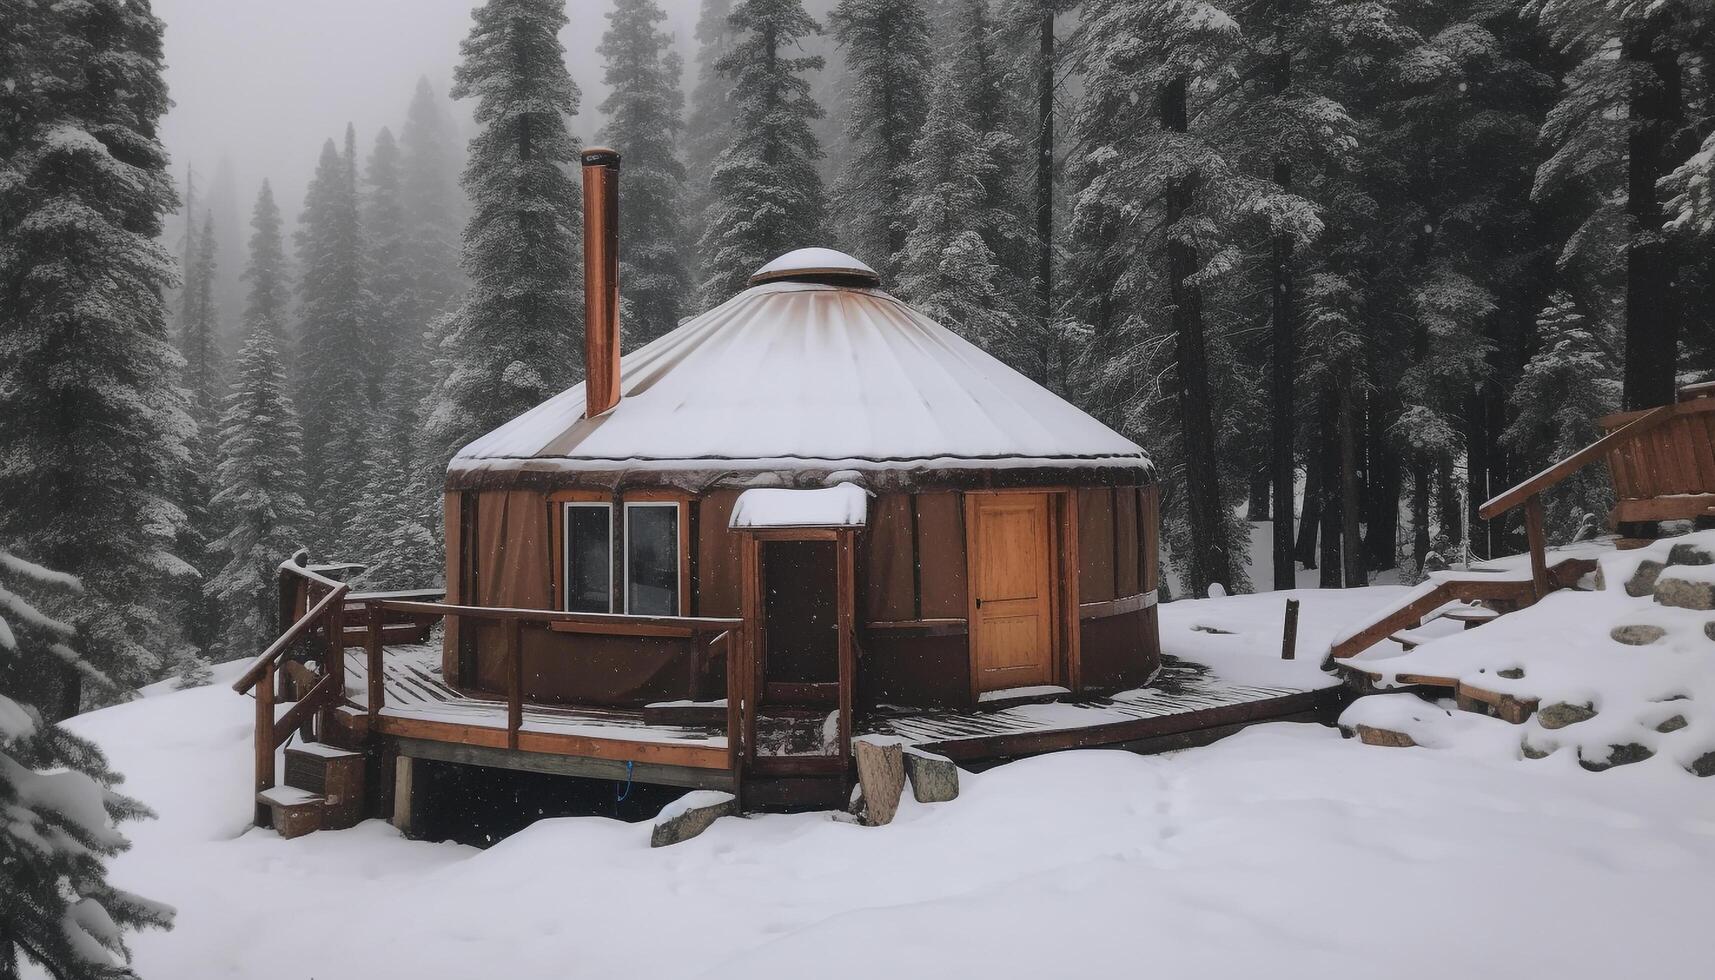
(679, 553)
(563, 544)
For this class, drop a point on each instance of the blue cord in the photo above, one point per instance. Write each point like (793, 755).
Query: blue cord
(621, 798)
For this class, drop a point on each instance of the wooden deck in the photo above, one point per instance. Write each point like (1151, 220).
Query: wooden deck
(1185, 705)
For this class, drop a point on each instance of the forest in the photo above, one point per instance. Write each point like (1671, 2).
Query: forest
(1349, 267)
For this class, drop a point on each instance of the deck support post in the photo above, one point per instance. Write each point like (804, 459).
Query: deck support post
(372, 646)
(264, 739)
(402, 795)
(514, 682)
(1289, 632)
(1538, 545)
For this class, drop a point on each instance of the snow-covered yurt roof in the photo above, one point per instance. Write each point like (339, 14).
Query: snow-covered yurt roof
(804, 380)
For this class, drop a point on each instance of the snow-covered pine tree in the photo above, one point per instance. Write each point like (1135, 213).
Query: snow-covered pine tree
(199, 328)
(709, 124)
(767, 192)
(261, 509)
(508, 349)
(393, 338)
(643, 123)
(886, 49)
(333, 343)
(386, 530)
(199, 340)
(945, 267)
(434, 206)
(1569, 382)
(62, 808)
(270, 293)
(93, 422)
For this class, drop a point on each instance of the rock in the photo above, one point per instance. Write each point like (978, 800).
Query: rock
(1685, 593)
(1560, 714)
(1637, 635)
(690, 815)
(1511, 673)
(881, 773)
(1642, 582)
(1703, 765)
(1618, 755)
(1689, 554)
(1386, 738)
(934, 778)
(1673, 724)
(1709, 629)
(1532, 752)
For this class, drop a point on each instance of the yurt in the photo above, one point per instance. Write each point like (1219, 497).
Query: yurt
(813, 456)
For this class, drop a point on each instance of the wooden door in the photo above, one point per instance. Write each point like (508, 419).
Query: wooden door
(1012, 601)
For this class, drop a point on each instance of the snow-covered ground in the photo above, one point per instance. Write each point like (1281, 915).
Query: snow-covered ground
(1283, 851)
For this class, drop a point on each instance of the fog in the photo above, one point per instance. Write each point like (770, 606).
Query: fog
(259, 84)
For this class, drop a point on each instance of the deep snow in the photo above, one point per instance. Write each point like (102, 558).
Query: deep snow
(1283, 851)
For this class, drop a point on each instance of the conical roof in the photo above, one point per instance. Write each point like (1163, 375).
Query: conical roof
(796, 381)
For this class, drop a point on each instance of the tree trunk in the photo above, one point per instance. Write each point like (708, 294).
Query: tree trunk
(71, 694)
(1382, 493)
(1256, 500)
(1452, 514)
(1208, 560)
(1652, 321)
(1045, 184)
(1304, 551)
(1285, 352)
(1477, 483)
(1419, 509)
(1328, 461)
(1351, 542)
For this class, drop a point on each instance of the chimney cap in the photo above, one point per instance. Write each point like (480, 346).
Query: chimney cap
(599, 156)
(817, 265)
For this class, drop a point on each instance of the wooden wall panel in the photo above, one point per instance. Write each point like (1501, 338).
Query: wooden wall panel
(1095, 545)
(941, 555)
(1126, 543)
(889, 584)
(1150, 532)
(717, 589)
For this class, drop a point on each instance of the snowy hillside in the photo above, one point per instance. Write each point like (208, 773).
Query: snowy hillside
(1285, 850)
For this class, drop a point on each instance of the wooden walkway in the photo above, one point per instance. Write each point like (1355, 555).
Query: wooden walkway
(1184, 699)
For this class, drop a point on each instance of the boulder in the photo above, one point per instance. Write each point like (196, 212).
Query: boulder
(1511, 673)
(1642, 582)
(690, 815)
(1685, 593)
(1637, 635)
(1689, 554)
(1673, 724)
(1560, 714)
(1384, 737)
(881, 774)
(1532, 752)
(1709, 629)
(1703, 765)
(1618, 755)
(934, 778)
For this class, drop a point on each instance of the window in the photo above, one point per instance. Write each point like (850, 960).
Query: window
(652, 559)
(588, 550)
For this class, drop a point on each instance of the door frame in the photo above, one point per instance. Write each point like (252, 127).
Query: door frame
(1063, 636)
(752, 604)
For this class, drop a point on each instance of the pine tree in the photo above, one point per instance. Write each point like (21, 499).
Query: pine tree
(947, 269)
(886, 47)
(93, 423)
(333, 342)
(643, 123)
(1567, 384)
(261, 508)
(61, 805)
(434, 206)
(200, 333)
(270, 294)
(390, 285)
(199, 329)
(708, 127)
(767, 193)
(507, 350)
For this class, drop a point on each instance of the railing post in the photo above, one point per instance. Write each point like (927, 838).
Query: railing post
(1289, 632)
(1538, 544)
(372, 645)
(514, 681)
(265, 733)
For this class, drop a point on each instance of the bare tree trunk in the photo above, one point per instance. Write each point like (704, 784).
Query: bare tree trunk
(1285, 353)
(1452, 514)
(1419, 509)
(1652, 321)
(1304, 551)
(1045, 184)
(1351, 542)
(1256, 500)
(1208, 560)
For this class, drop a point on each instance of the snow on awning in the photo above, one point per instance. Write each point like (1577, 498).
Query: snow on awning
(845, 505)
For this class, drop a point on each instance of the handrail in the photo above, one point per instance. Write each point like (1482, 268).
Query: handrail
(688, 624)
(302, 625)
(1575, 462)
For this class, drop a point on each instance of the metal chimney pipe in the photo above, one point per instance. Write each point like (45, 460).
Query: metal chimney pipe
(601, 280)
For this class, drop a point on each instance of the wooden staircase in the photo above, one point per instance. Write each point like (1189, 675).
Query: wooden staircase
(323, 791)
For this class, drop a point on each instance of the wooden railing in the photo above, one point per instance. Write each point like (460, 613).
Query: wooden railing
(1618, 447)
(323, 612)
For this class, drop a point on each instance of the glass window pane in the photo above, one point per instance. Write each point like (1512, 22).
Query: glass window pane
(589, 559)
(652, 560)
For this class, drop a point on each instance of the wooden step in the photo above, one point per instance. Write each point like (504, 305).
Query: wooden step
(293, 812)
(1471, 616)
(334, 774)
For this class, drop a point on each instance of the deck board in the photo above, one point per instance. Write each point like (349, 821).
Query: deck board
(1183, 697)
